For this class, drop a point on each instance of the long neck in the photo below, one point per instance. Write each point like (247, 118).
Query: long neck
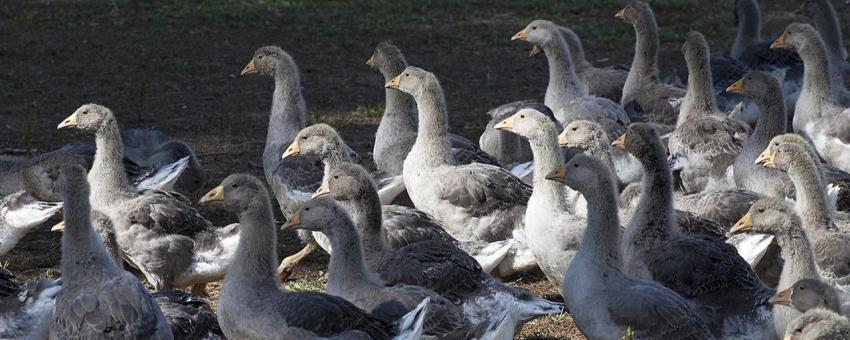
(563, 82)
(547, 158)
(399, 106)
(655, 205)
(699, 99)
(826, 22)
(645, 63)
(82, 248)
(811, 195)
(335, 155)
(288, 113)
(256, 253)
(578, 59)
(817, 68)
(749, 27)
(347, 272)
(772, 119)
(433, 127)
(602, 236)
(365, 212)
(798, 256)
(108, 180)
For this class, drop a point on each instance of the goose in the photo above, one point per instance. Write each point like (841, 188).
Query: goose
(155, 228)
(252, 304)
(819, 113)
(605, 302)
(510, 149)
(807, 294)
(189, 316)
(775, 217)
(454, 193)
(26, 309)
(750, 48)
(553, 230)
(20, 212)
(151, 148)
(397, 129)
(792, 154)
(818, 324)
(290, 180)
(644, 97)
(825, 20)
(349, 278)
(703, 269)
(440, 265)
(603, 82)
(704, 142)
(98, 299)
(323, 142)
(591, 139)
(565, 94)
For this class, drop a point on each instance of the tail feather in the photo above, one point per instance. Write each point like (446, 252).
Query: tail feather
(410, 325)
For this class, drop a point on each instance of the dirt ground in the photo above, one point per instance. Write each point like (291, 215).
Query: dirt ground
(174, 65)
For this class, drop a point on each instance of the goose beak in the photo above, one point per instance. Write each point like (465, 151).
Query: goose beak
(249, 69)
(620, 142)
(507, 124)
(214, 195)
(70, 122)
(534, 51)
(558, 175)
(765, 159)
(737, 87)
(58, 227)
(293, 222)
(371, 61)
(621, 14)
(394, 83)
(521, 35)
(323, 189)
(745, 224)
(562, 139)
(779, 43)
(294, 149)
(782, 298)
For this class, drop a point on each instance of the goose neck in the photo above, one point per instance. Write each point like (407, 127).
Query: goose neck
(289, 110)
(798, 256)
(256, 253)
(645, 63)
(81, 246)
(432, 138)
(334, 155)
(656, 198)
(602, 237)
(826, 22)
(547, 158)
(749, 27)
(347, 272)
(399, 106)
(771, 120)
(109, 184)
(699, 99)
(817, 68)
(811, 196)
(366, 215)
(563, 82)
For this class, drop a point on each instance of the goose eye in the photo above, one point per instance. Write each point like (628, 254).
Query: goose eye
(307, 209)
(761, 210)
(750, 78)
(407, 74)
(776, 144)
(304, 137)
(234, 186)
(802, 288)
(575, 128)
(575, 165)
(521, 116)
(534, 27)
(336, 177)
(260, 56)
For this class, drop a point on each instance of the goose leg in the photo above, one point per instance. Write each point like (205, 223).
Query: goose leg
(290, 262)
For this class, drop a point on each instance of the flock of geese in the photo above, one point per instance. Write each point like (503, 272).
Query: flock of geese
(713, 210)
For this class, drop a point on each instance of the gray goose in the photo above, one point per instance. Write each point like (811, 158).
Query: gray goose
(252, 304)
(603, 82)
(818, 324)
(26, 308)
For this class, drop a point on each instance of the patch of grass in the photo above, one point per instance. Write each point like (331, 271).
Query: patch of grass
(333, 120)
(365, 112)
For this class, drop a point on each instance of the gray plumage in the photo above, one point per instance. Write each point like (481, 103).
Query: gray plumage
(818, 324)
(509, 148)
(808, 294)
(26, 308)
(19, 214)
(604, 82)
(98, 299)
(748, 46)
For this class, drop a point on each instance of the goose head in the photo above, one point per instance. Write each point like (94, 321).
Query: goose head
(413, 81)
(317, 140)
(695, 47)
(637, 13)
(529, 123)
(385, 56)
(641, 141)
(817, 324)
(755, 85)
(796, 36)
(808, 294)
(539, 33)
(320, 214)
(348, 181)
(236, 193)
(267, 61)
(583, 173)
(89, 118)
(768, 216)
(583, 135)
(784, 151)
